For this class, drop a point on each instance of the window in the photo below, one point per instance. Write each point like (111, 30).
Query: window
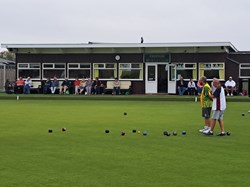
(105, 70)
(211, 70)
(187, 70)
(54, 70)
(29, 70)
(130, 71)
(76, 70)
(151, 73)
(244, 70)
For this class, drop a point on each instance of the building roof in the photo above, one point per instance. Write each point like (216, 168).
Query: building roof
(227, 46)
(7, 62)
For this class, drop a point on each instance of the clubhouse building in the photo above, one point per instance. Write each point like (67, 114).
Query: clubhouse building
(150, 67)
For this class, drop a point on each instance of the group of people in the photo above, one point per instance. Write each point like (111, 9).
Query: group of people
(192, 88)
(23, 86)
(182, 87)
(81, 86)
(213, 99)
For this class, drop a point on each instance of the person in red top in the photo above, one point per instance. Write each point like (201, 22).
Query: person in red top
(19, 85)
(77, 84)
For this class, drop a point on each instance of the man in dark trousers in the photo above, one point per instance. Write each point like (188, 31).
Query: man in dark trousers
(96, 85)
(181, 86)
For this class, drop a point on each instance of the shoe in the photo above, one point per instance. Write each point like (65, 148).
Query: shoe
(221, 134)
(228, 94)
(209, 133)
(202, 130)
(206, 131)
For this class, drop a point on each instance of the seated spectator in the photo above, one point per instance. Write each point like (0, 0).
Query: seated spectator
(181, 86)
(8, 87)
(82, 86)
(230, 86)
(47, 86)
(54, 84)
(102, 88)
(27, 86)
(116, 87)
(96, 86)
(76, 84)
(19, 85)
(191, 87)
(199, 87)
(64, 86)
(88, 86)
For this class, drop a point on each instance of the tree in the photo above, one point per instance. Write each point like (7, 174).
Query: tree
(8, 55)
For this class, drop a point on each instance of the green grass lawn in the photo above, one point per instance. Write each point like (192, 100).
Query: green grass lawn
(85, 156)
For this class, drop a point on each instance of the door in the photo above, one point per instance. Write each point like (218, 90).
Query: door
(172, 79)
(162, 78)
(151, 79)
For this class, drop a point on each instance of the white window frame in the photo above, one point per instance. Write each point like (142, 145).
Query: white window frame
(212, 68)
(240, 68)
(29, 68)
(187, 68)
(104, 68)
(130, 68)
(53, 67)
(78, 68)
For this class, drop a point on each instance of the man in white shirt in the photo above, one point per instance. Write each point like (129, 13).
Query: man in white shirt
(191, 87)
(230, 86)
(218, 108)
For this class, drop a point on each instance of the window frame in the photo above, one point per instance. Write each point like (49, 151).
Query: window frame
(187, 68)
(29, 68)
(104, 68)
(131, 68)
(240, 68)
(53, 68)
(212, 68)
(78, 68)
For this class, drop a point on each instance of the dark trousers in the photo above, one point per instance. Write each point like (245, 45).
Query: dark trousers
(191, 91)
(116, 90)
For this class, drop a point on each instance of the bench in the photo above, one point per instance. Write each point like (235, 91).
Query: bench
(124, 88)
(36, 87)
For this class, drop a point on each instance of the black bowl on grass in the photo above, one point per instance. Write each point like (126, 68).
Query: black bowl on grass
(165, 133)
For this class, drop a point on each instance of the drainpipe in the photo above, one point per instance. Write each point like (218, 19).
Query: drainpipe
(4, 75)
(248, 87)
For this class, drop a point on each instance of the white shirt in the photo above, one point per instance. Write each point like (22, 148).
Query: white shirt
(191, 85)
(230, 83)
(221, 101)
(28, 82)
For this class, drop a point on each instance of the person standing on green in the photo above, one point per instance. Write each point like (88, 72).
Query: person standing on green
(206, 103)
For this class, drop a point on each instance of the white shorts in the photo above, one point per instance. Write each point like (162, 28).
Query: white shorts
(218, 114)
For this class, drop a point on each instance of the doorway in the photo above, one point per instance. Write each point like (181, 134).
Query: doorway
(162, 78)
(151, 78)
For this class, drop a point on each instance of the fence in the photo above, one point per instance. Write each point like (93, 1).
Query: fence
(7, 72)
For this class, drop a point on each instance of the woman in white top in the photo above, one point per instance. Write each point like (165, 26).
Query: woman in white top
(27, 86)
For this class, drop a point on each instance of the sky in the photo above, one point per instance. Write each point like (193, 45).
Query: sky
(157, 21)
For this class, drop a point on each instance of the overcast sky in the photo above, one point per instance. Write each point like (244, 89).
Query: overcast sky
(80, 21)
